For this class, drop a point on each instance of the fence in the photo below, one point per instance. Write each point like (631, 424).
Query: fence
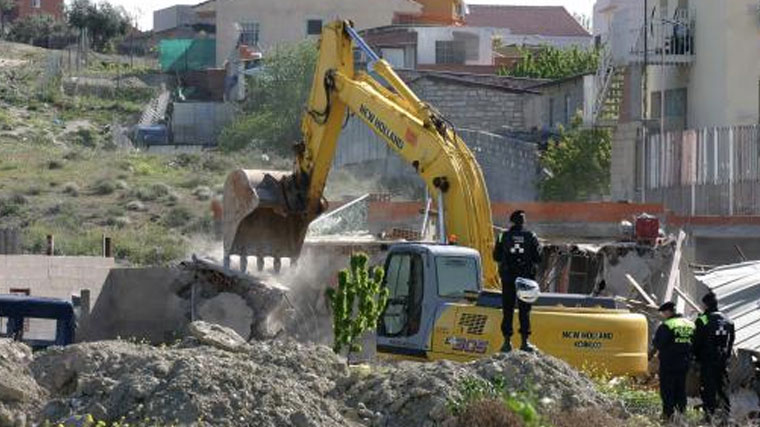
(713, 171)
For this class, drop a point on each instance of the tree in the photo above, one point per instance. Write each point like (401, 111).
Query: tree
(275, 103)
(357, 303)
(103, 21)
(39, 30)
(549, 62)
(6, 7)
(577, 163)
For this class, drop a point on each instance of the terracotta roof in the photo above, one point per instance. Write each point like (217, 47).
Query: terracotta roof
(551, 21)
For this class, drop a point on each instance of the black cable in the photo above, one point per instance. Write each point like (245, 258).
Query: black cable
(321, 117)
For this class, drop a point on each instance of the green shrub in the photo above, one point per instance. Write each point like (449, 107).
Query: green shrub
(178, 217)
(104, 187)
(87, 137)
(202, 193)
(71, 188)
(55, 164)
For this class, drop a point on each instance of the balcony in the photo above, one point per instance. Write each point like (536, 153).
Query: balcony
(666, 41)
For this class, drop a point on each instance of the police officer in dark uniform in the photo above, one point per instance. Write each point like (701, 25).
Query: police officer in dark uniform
(713, 344)
(518, 254)
(673, 343)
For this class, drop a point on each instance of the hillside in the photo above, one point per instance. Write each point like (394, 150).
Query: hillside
(65, 170)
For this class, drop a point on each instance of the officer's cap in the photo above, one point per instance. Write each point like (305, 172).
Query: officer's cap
(668, 306)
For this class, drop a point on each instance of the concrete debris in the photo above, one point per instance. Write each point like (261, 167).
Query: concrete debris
(18, 390)
(275, 383)
(255, 308)
(217, 336)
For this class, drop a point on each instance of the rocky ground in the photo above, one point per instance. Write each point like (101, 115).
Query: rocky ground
(214, 377)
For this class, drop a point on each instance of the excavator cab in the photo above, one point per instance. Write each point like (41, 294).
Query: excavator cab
(422, 279)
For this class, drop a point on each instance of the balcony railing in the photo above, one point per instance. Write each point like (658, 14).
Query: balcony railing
(666, 41)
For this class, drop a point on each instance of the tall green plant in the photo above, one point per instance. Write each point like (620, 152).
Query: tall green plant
(577, 163)
(357, 303)
(549, 62)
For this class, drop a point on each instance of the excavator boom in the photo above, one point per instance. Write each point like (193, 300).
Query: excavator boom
(266, 213)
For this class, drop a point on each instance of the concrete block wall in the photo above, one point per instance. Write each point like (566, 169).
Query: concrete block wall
(53, 277)
(509, 165)
(623, 171)
(473, 106)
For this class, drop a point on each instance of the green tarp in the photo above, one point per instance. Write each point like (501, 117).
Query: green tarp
(187, 54)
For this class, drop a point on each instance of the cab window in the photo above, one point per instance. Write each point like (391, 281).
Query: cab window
(456, 275)
(404, 281)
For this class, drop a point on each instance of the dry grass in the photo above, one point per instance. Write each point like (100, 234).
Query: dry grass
(488, 413)
(589, 417)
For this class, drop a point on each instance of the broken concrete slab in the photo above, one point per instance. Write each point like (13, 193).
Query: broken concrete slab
(217, 336)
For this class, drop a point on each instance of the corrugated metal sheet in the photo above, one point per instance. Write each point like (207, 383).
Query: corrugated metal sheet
(738, 289)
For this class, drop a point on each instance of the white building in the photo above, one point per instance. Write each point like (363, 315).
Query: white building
(703, 53)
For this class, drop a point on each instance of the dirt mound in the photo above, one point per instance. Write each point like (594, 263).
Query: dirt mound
(276, 383)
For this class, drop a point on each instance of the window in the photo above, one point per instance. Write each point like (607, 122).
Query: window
(404, 282)
(313, 27)
(249, 33)
(450, 52)
(36, 4)
(456, 275)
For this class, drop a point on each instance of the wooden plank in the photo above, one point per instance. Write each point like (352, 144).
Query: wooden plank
(687, 299)
(641, 291)
(674, 267)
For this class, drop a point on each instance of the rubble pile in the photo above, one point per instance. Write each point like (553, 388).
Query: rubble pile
(255, 307)
(19, 392)
(214, 377)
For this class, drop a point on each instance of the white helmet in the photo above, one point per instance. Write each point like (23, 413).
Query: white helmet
(527, 290)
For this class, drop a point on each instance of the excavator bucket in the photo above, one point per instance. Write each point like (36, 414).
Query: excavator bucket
(258, 220)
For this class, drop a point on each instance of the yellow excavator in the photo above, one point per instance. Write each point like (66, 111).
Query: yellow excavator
(443, 299)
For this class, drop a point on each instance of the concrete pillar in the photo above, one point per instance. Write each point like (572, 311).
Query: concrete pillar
(84, 303)
(107, 253)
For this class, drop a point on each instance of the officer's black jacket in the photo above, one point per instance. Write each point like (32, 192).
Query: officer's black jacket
(673, 341)
(713, 338)
(517, 252)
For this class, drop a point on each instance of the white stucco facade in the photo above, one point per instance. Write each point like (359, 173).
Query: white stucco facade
(721, 81)
(285, 21)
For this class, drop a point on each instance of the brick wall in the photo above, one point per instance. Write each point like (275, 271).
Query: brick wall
(473, 106)
(26, 8)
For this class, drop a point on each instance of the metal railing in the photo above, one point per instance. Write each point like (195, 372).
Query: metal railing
(711, 171)
(603, 80)
(667, 41)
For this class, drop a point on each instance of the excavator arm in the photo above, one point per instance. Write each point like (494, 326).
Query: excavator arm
(268, 212)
